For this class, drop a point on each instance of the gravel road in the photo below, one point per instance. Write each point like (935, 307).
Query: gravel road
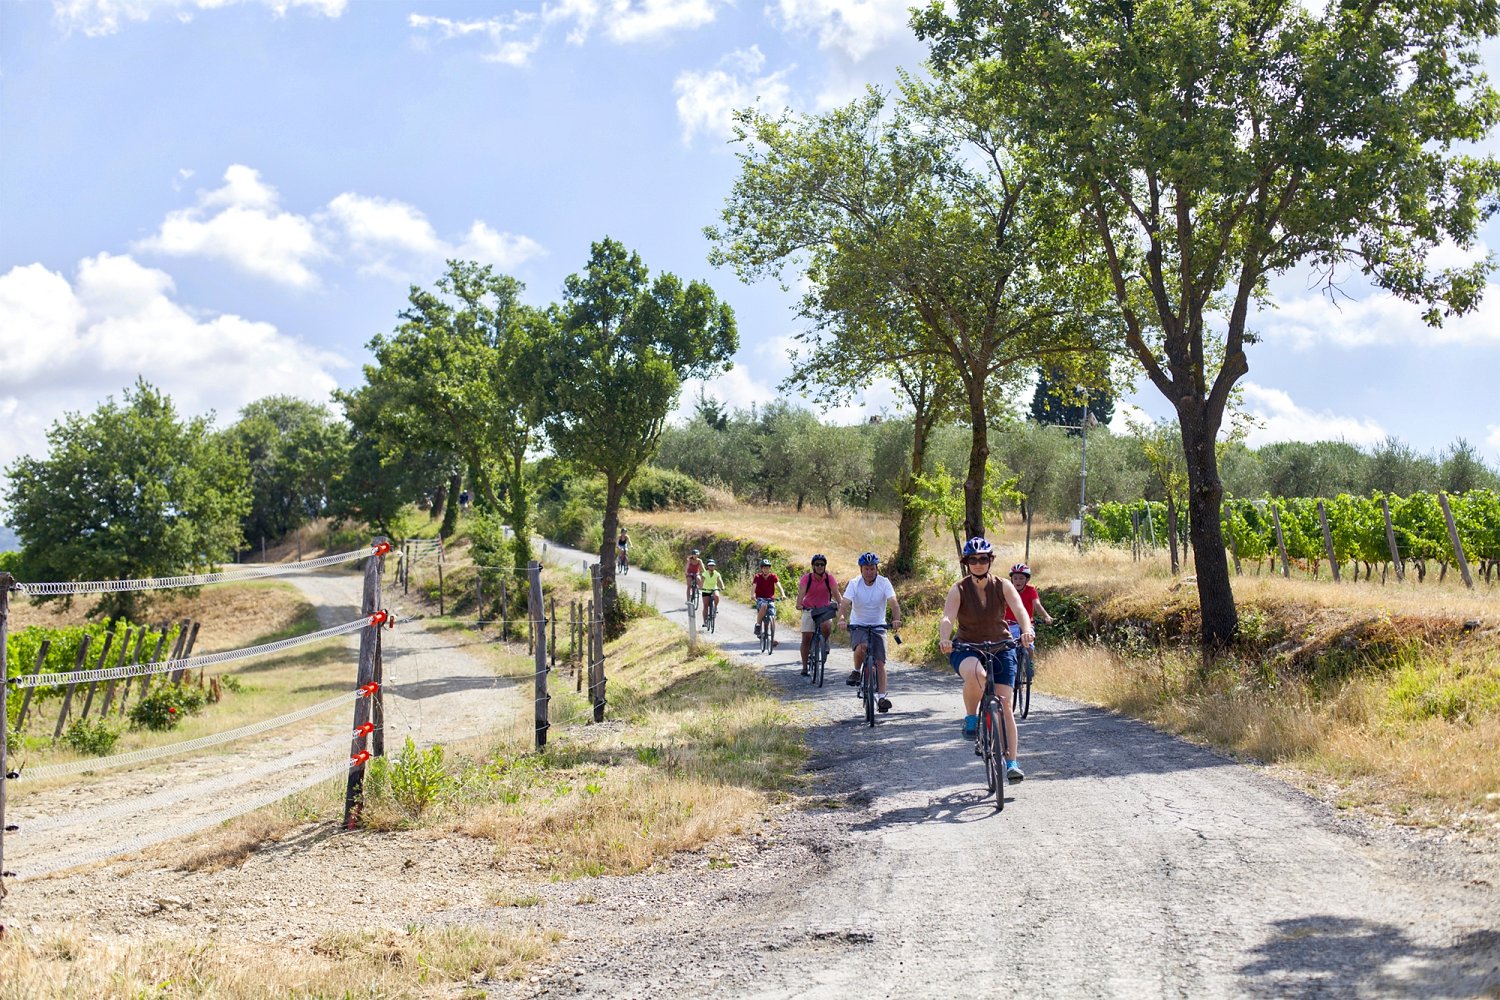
(1128, 863)
(435, 690)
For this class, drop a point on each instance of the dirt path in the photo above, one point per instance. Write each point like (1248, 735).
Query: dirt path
(436, 690)
(1129, 863)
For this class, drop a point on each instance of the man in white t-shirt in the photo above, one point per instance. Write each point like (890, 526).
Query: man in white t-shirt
(863, 608)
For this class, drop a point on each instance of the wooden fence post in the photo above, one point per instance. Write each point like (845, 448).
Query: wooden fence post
(41, 658)
(1458, 547)
(442, 599)
(1390, 540)
(109, 686)
(6, 583)
(539, 630)
(586, 645)
(598, 624)
(78, 664)
(1286, 566)
(109, 638)
(369, 656)
(178, 647)
(504, 612)
(1328, 540)
(479, 598)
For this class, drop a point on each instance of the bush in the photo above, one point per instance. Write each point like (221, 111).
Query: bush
(167, 705)
(413, 780)
(665, 489)
(92, 736)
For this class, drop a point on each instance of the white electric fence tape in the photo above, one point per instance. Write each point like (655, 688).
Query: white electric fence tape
(195, 580)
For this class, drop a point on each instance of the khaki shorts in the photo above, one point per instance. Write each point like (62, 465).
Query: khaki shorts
(807, 618)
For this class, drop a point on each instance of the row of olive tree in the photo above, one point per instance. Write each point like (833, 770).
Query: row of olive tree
(1082, 183)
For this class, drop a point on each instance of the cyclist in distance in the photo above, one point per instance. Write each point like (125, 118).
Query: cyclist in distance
(976, 605)
(694, 572)
(1020, 578)
(622, 547)
(766, 587)
(711, 585)
(863, 609)
(818, 598)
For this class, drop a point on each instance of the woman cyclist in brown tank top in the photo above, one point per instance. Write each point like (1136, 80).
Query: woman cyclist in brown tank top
(976, 605)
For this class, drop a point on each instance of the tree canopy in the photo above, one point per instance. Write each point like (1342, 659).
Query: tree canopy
(126, 492)
(1211, 144)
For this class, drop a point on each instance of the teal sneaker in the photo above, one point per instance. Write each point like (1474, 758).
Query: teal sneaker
(1013, 771)
(971, 725)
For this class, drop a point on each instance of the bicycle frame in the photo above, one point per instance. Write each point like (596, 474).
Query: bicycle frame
(993, 744)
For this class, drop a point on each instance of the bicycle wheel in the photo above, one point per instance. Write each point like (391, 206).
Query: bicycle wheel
(867, 690)
(997, 751)
(1024, 672)
(818, 657)
(768, 634)
(987, 745)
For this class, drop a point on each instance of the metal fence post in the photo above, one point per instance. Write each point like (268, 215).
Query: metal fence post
(6, 583)
(539, 630)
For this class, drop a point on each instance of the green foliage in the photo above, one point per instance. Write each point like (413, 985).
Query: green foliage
(665, 489)
(62, 642)
(91, 736)
(415, 780)
(166, 705)
(128, 491)
(295, 450)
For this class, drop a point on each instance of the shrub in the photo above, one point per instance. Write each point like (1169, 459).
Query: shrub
(414, 780)
(93, 736)
(167, 705)
(665, 489)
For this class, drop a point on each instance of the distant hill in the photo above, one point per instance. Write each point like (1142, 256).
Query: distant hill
(8, 539)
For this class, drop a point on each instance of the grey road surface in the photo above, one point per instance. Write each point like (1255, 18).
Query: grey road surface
(1128, 863)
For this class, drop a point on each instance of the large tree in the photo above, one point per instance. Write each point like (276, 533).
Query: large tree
(612, 358)
(126, 492)
(295, 450)
(914, 208)
(455, 377)
(1212, 144)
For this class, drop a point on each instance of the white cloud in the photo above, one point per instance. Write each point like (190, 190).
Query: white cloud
(76, 342)
(1376, 319)
(1493, 439)
(518, 35)
(104, 17)
(1126, 414)
(395, 239)
(854, 27)
(1281, 419)
(242, 224)
(706, 99)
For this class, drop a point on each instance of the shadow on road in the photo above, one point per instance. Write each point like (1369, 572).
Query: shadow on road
(1343, 956)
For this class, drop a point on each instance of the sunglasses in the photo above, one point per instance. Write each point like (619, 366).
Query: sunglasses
(977, 559)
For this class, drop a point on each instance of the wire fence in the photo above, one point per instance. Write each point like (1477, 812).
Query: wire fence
(237, 575)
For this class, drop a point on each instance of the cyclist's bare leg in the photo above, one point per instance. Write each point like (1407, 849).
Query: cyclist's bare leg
(880, 676)
(972, 671)
(1003, 692)
(806, 647)
(859, 656)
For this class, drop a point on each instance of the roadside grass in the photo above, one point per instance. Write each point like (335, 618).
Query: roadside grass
(415, 961)
(696, 749)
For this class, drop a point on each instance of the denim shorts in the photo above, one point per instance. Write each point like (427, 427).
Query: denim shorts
(1005, 670)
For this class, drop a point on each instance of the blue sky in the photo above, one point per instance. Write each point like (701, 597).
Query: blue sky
(230, 197)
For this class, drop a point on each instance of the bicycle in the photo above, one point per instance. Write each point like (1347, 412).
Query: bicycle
(622, 564)
(993, 742)
(869, 673)
(817, 652)
(768, 629)
(1025, 671)
(711, 614)
(692, 602)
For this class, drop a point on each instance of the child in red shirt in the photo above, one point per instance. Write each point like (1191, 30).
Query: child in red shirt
(766, 588)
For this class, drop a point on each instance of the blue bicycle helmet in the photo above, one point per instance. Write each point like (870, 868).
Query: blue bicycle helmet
(977, 546)
(869, 559)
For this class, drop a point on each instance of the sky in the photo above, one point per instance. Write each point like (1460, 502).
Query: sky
(229, 198)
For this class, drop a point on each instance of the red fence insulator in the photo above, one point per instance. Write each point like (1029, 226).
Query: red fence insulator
(381, 549)
(379, 618)
(359, 758)
(369, 689)
(364, 730)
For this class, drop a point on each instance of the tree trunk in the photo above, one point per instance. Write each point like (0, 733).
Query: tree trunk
(1205, 503)
(979, 456)
(909, 530)
(518, 512)
(613, 492)
(450, 514)
(1172, 534)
